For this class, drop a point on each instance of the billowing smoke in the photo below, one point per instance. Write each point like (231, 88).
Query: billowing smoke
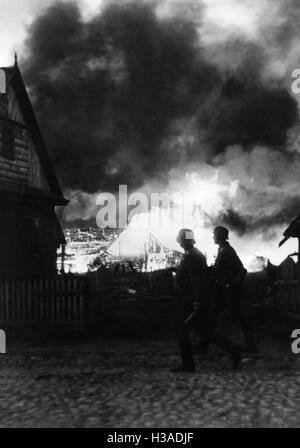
(107, 90)
(140, 92)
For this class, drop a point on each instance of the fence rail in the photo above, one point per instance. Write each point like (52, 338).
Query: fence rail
(60, 300)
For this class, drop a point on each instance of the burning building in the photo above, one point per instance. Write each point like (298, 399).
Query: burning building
(164, 94)
(30, 232)
(142, 244)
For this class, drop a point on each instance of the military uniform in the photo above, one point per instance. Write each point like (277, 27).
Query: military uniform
(192, 277)
(192, 280)
(229, 274)
(228, 267)
(198, 309)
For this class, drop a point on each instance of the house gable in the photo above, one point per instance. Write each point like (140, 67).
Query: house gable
(23, 156)
(14, 112)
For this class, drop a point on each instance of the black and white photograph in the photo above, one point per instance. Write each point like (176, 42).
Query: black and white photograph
(150, 220)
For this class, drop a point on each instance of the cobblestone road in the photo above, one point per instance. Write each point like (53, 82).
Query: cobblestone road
(112, 383)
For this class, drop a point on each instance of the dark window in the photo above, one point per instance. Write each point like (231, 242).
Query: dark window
(8, 141)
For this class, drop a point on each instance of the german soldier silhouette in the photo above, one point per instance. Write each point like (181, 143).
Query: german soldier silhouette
(199, 307)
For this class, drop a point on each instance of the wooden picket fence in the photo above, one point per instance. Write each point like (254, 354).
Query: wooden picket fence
(68, 299)
(288, 286)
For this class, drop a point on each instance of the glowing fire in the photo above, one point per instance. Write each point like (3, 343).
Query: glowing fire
(209, 199)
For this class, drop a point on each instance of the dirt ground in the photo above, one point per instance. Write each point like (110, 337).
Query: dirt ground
(108, 383)
(121, 378)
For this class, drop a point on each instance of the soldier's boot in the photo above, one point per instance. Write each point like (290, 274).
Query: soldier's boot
(251, 349)
(237, 361)
(185, 344)
(202, 346)
(183, 368)
(251, 346)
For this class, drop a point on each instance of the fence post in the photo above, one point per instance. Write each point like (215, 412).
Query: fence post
(2, 342)
(2, 81)
(99, 294)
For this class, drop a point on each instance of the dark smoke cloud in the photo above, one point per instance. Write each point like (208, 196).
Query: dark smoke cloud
(245, 224)
(108, 91)
(249, 110)
(249, 114)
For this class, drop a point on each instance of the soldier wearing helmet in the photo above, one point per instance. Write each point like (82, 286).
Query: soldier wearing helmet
(228, 268)
(193, 281)
(229, 274)
(192, 273)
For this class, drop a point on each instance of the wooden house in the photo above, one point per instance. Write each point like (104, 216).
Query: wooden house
(30, 232)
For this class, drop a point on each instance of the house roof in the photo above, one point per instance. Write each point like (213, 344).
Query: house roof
(9, 191)
(293, 231)
(14, 78)
(60, 234)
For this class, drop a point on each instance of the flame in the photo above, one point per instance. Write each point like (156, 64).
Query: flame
(208, 196)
